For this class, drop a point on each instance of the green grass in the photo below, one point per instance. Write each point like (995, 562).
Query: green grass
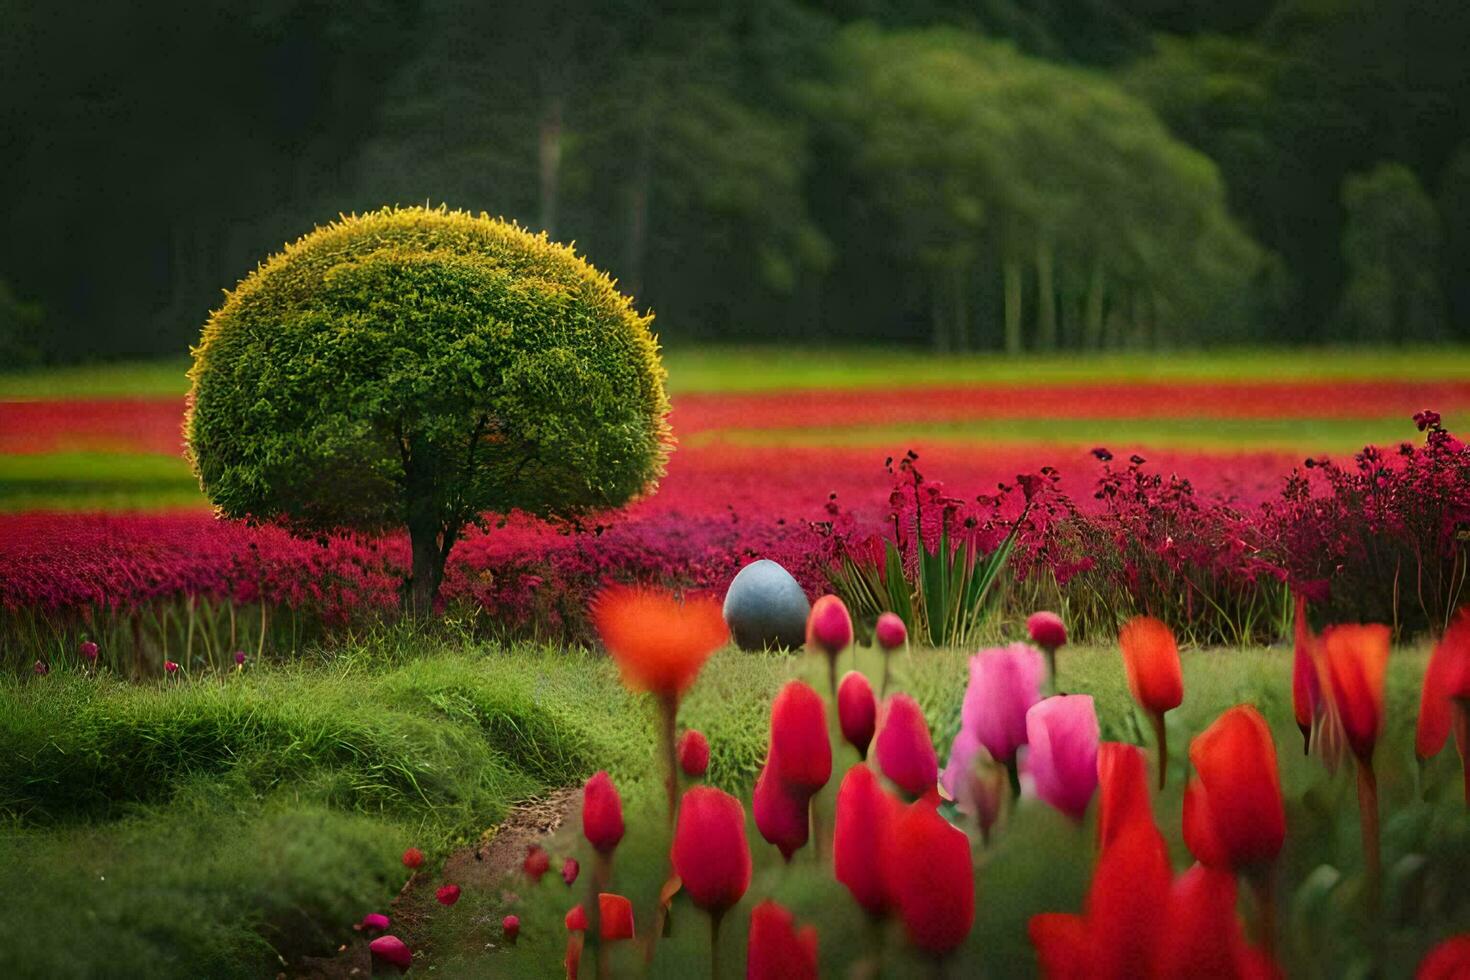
(97, 481)
(199, 827)
(755, 368)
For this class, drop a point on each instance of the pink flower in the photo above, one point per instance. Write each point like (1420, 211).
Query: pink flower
(510, 927)
(829, 626)
(1047, 630)
(88, 650)
(905, 751)
(569, 870)
(1004, 683)
(1061, 756)
(976, 782)
(447, 895)
(170, 667)
(857, 711)
(891, 632)
(239, 658)
(781, 813)
(373, 922)
(801, 753)
(391, 950)
(41, 669)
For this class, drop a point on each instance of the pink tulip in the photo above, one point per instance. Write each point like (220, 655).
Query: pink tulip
(510, 926)
(569, 870)
(1061, 756)
(88, 650)
(1047, 630)
(801, 753)
(1004, 683)
(976, 782)
(891, 632)
(170, 668)
(391, 950)
(829, 630)
(857, 711)
(239, 658)
(904, 749)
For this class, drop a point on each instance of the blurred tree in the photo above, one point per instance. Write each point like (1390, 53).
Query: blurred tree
(1391, 244)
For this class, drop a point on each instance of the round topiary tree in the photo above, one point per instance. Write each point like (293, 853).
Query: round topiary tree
(421, 368)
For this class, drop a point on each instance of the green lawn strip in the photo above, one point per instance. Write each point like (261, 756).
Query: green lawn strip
(1120, 435)
(761, 368)
(96, 481)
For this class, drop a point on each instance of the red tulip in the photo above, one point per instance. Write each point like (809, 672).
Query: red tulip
(1061, 755)
(1357, 658)
(904, 749)
(413, 858)
(537, 862)
(781, 815)
(829, 630)
(170, 668)
(777, 950)
(659, 643)
(857, 711)
(693, 754)
(1202, 937)
(391, 950)
(569, 870)
(510, 927)
(709, 852)
(576, 919)
(928, 873)
(801, 754)
(88, 650)
(447, 895)
(890, 632)
(864, 815)
(373, 922)
(1450, 960)
(1442, 701)
(1151, 659)
(602, 813)
(1233, 815)
(576, 923)
(1123, 801)
(616, 915)
(1047, 630)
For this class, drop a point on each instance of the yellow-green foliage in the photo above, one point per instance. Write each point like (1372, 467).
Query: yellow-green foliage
(425, 366)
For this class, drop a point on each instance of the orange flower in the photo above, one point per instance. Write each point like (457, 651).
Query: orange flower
(1445, 680)
(1357, 658)
(659, 643)
(1233, 814)
(1151, 658)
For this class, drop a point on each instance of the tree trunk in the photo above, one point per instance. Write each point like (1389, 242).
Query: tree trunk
(549, 159)
(1012, 272)
(1094, 315)
(1046, 297)
(422, 587)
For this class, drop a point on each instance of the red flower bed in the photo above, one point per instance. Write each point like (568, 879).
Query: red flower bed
(139, 425)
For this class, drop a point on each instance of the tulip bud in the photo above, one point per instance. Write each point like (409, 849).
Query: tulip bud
(447, 895)
(510, 927)
(930, 876)
(1357, 658)
(373, 922)
(1233, 814)
(616, 915)
(801, 753)
(857, 711)
(777, 950)
(569, 870)
(602, 813)
(890, 632)
(413, 858)
(709, 853)
(693, 754)
(576, 919)
(864, 815)
(829, 626)
(537, 862)
(1061, 755)
(904, 749)
(88, 650)
(1047, 630)
(780, 813)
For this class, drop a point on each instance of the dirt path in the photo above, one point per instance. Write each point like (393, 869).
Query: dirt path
(494, 860)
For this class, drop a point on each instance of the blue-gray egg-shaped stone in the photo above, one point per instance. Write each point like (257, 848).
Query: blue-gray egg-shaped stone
(765, 607)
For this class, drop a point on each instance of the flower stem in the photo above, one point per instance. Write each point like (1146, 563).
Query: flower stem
(1162, 738)
(1368, 816)
(668, 711)
(1051, 669)
(1264, 886)
(714, 944)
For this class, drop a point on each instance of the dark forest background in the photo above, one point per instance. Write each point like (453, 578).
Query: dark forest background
(991, 174)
